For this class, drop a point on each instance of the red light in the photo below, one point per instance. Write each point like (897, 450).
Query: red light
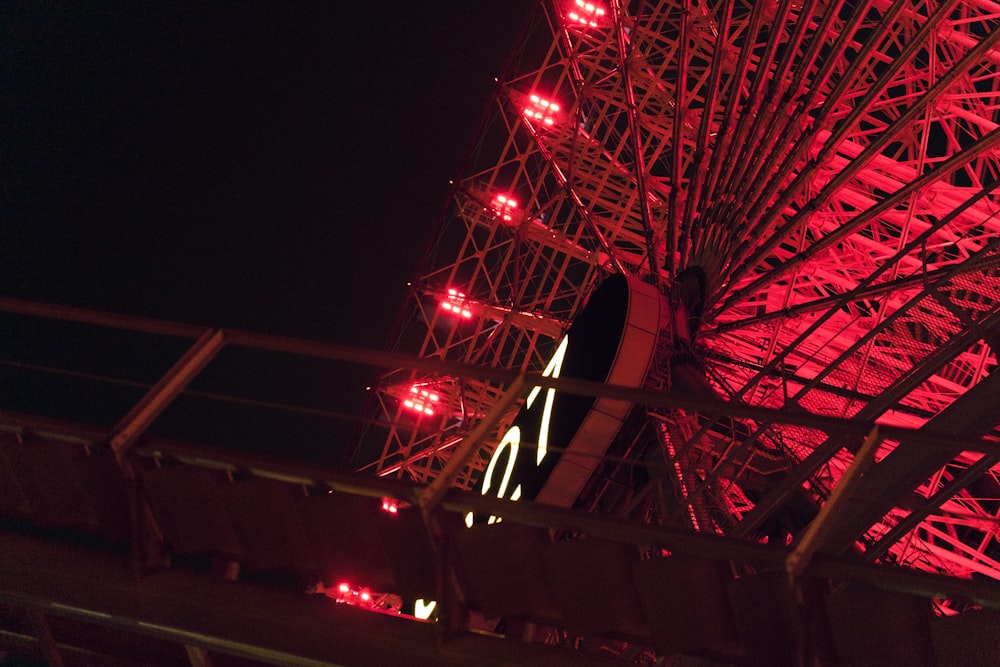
(390, 505)
(348, 594)
(455, 303)
(541, 109)
(421, 399)
(586, 14)
(504, 207)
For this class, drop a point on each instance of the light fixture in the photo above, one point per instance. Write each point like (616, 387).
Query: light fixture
(505, 207)
(586, 14)
(455, 303)
(421, 399)
(541, 110)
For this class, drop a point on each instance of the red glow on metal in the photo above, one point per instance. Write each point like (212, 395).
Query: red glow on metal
(455, 303)
(344, 588)
(541, 109)
(504, 207)
(421, 400)
(586, 14)
(678, 470)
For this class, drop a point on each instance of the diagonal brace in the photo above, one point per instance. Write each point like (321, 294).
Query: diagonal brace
(812, 538)
(433, 493)
(160, 395)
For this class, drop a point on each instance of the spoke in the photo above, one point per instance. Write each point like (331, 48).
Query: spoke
(812, 186)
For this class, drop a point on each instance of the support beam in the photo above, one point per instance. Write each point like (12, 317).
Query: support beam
(470, 445)
(813, 537)
(166, 390)
(970, 416)
(46, 639)
(198, 656)
(949, 490)
(266, 625)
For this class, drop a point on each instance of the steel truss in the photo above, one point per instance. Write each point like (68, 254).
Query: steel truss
(831, 167)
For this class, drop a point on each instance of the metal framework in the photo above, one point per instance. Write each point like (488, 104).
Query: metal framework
(831, 168)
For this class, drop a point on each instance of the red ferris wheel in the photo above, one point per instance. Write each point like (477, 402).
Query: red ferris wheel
(806, 191)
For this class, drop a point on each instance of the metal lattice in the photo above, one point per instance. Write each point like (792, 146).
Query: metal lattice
(831, 167)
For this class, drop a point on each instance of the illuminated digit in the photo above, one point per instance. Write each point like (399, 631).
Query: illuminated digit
(511, 438)
(552, 370)
(423, 609)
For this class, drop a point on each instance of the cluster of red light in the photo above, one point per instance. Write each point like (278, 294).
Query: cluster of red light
(541, 109)
(504, 207)
(353, 596)
(586, 14)
(390, 505)
(422, 400)
(455, 303)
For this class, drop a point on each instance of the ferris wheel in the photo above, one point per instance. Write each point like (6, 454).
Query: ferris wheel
(810, 188)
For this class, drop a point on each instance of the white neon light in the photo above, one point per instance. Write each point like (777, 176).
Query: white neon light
(512, 438)
(423, 609)
(551, 370)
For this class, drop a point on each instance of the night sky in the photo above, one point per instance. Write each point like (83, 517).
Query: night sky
(273, 167)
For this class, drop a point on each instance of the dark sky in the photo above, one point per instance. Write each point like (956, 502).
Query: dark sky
(275, 167)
